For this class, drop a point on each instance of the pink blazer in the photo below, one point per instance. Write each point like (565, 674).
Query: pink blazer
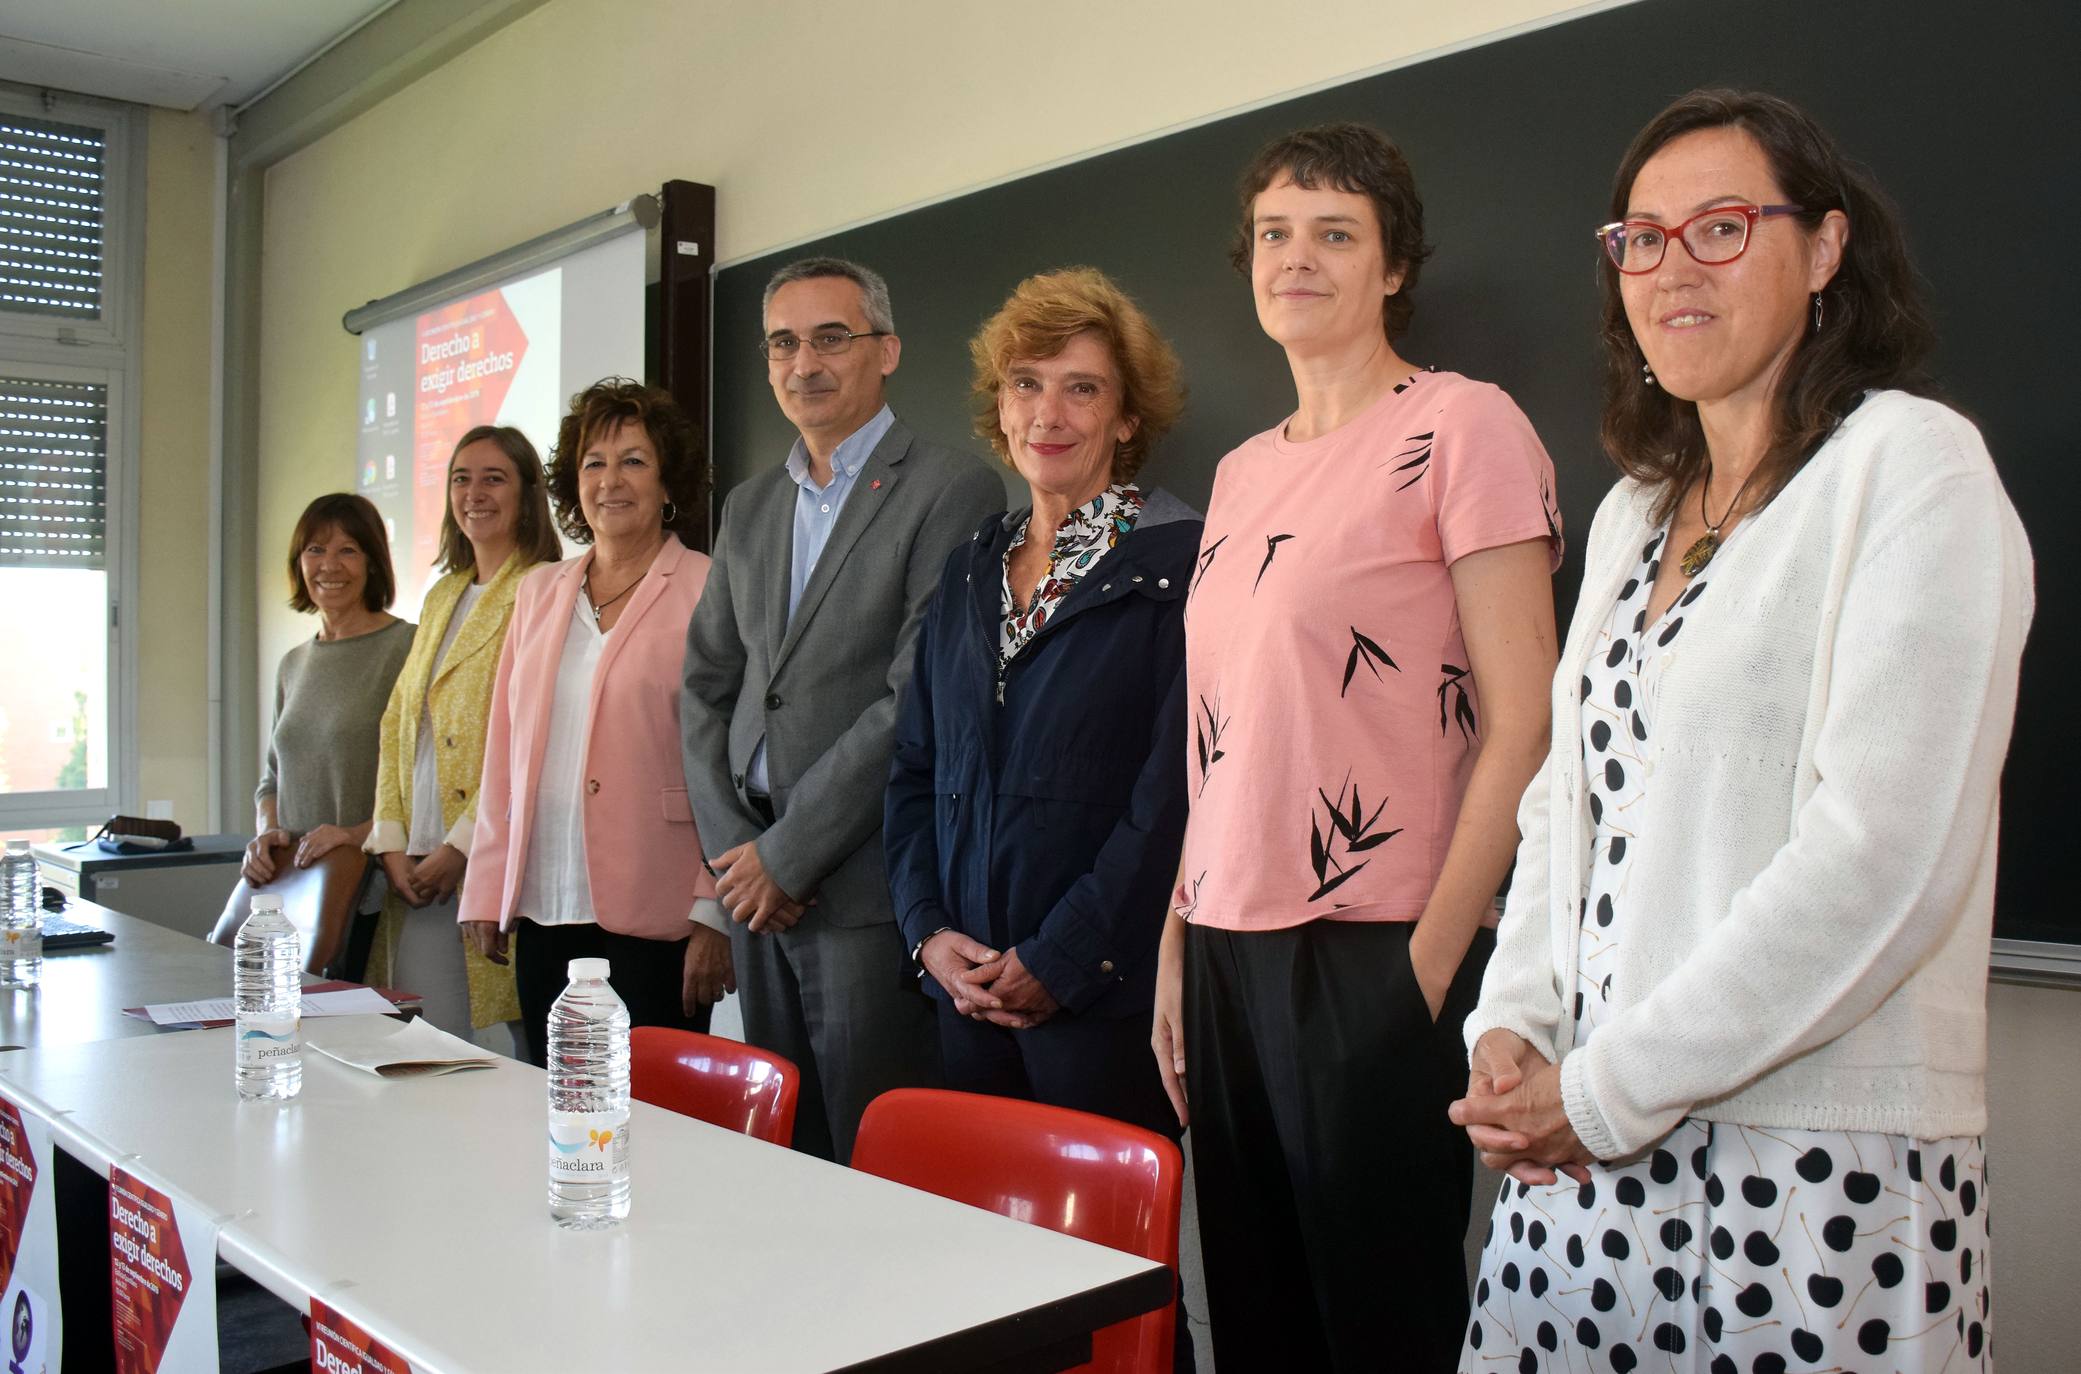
(642, 853)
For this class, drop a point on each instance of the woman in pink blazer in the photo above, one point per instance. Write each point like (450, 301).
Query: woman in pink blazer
(585, 846)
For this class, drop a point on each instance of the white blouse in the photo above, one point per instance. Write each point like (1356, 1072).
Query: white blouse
(427, 834)
(554, 890)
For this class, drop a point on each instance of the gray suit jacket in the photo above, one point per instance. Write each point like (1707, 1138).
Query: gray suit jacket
(820, 687)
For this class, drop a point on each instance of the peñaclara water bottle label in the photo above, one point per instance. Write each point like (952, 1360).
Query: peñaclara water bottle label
(24, 942)
(588, 1147)
(266, 1040)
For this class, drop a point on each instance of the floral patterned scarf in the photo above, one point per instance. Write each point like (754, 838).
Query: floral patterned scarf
(1087, 535)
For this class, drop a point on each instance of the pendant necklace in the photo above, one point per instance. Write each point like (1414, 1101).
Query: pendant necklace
(1700, 555)
(597, 607)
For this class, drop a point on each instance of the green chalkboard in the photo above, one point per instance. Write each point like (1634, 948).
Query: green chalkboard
(1965, 113)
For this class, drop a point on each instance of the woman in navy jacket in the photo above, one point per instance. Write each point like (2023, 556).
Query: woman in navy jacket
(1037, 798)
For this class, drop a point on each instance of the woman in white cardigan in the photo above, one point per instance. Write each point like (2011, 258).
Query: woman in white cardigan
(1738, 996)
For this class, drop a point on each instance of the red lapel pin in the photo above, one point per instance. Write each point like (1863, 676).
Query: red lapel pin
(875, 485)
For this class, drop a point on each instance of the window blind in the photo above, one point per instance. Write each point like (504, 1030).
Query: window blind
(53, 474)
(51, 217)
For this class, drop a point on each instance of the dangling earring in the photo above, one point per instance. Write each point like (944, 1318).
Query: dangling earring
(1647, 374)
(1817, 312)
(671, 513)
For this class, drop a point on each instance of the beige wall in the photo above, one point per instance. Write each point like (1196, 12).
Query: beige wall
(804, 117)
(174, 468)
(2033, 1103)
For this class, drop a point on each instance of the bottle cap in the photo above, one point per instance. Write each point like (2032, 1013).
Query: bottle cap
(586, 968)
(266, 901)
(17, 846)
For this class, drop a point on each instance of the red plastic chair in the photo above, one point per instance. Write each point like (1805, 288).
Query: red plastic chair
(719, 1081)
(1087, 1176)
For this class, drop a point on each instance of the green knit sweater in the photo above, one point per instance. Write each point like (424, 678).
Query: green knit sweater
(329, 699)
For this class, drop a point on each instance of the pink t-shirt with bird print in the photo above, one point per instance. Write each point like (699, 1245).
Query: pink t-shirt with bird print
(1334, 719)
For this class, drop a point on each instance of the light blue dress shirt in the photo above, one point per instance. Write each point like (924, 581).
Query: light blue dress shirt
(816, 515)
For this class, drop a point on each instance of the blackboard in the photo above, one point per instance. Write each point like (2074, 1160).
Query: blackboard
(1965, 114)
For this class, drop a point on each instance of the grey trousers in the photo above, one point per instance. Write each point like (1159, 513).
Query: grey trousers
(842, 1005)
(428, 960)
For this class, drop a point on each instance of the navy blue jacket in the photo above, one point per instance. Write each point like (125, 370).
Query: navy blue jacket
(1051, 822)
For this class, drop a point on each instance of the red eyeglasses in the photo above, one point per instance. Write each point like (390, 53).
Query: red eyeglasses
(1714, 238)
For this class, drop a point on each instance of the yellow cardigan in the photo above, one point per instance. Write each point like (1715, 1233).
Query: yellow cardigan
(459, 697)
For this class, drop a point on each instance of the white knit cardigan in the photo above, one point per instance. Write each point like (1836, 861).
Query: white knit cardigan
(1814, 884)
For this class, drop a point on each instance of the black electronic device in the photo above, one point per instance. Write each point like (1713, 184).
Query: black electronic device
(59, 933)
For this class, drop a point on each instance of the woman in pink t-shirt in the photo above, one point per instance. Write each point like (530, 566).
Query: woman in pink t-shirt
(1369, 636)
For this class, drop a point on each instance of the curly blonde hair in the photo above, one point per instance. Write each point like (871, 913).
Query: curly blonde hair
(1042, 315)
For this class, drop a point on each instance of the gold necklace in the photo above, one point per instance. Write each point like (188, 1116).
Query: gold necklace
(1700, 555)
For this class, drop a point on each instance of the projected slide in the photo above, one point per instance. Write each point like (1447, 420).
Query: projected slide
(488, 360)
(511, 355)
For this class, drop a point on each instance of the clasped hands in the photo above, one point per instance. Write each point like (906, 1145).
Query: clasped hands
(987, 985)
(1514, 1115)
(422, 882)
(259, 866)
(750, 894)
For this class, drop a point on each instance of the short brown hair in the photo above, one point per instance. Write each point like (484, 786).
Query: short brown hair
(1876, 329)
(536, 533)
(604, 407)
(1043, 314)
(354, 517)
(1360, 159)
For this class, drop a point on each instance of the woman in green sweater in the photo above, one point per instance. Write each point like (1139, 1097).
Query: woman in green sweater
(319, 785)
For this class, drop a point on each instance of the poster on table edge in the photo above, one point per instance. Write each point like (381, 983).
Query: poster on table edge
(163, 1279)
(28, 1244)
(338, 1346)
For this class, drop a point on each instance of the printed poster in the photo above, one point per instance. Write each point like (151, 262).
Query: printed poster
(163, 1276)
(469, 355)
(28, 1244)
(338, 1346)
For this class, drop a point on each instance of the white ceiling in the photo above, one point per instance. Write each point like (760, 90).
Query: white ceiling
(183, 55)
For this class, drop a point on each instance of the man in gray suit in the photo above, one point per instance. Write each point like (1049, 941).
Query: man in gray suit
(805, 633)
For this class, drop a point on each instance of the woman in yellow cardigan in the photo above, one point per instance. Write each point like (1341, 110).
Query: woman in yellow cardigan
(497, 525)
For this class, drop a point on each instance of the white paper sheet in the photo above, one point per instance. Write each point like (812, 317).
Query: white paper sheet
(398, 1049)
(346, 1002)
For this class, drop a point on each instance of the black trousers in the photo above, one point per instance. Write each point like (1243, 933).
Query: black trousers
(1088, 1064)
(646, 974)
(1333, 1192)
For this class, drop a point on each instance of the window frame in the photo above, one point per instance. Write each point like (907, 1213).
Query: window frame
(122, 211)
(105, 352)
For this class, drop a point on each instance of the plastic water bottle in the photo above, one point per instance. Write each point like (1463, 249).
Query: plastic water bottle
(21, 932)
(588, 1101)
(268, 980)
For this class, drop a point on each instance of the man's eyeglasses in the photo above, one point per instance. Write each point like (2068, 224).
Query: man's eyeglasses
(782, 348)
(1718, 236)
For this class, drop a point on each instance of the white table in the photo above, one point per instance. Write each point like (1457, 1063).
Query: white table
(417, 1208)
(82, 999)
(85, 990)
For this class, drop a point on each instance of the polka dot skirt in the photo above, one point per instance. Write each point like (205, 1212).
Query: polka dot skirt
(1724, 1249)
